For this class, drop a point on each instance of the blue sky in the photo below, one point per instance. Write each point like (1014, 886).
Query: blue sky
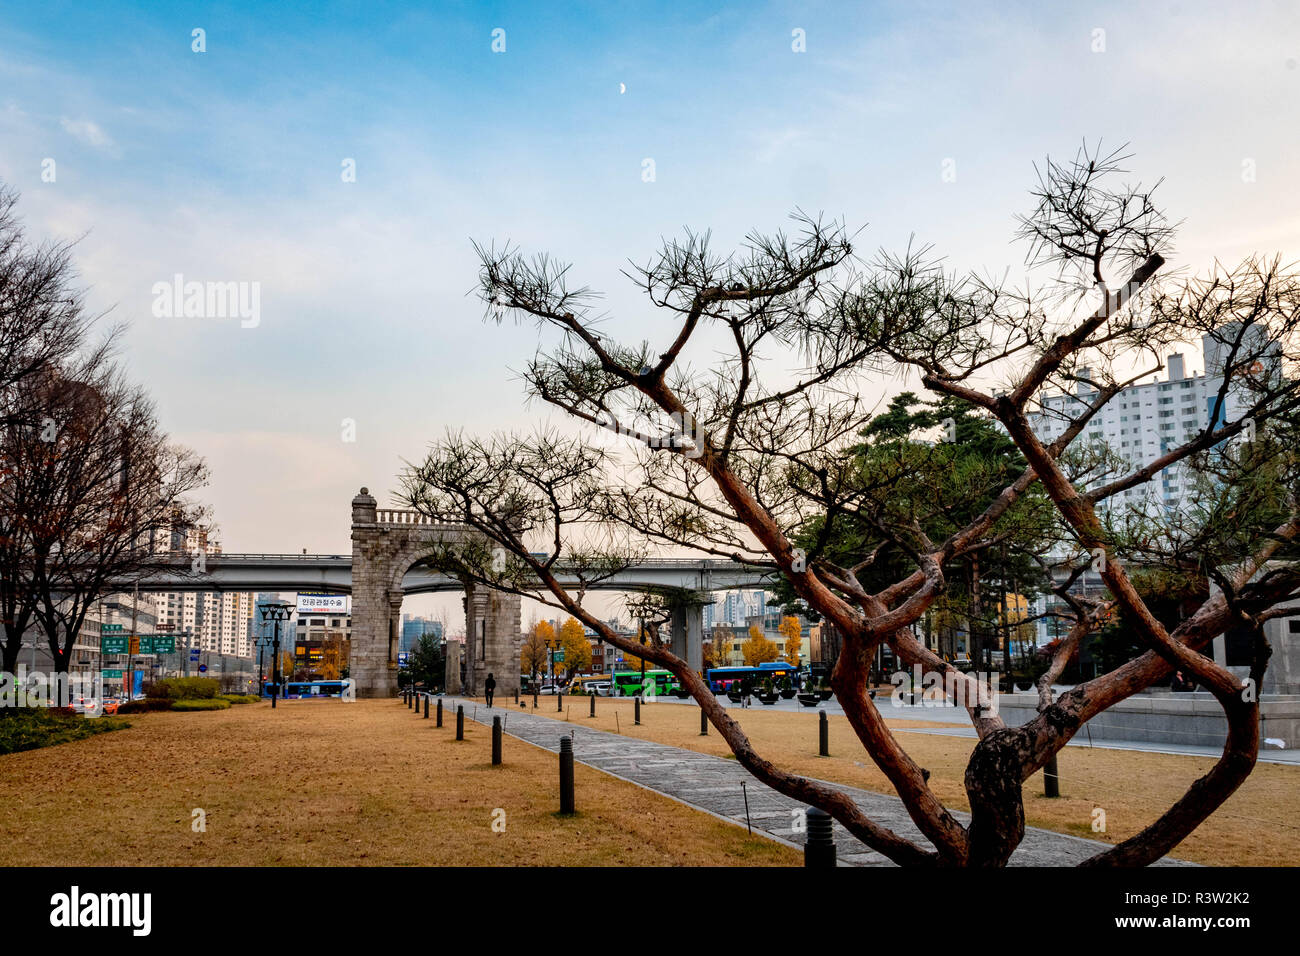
(225, 166)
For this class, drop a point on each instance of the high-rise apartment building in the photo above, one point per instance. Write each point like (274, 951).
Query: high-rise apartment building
(220, 622)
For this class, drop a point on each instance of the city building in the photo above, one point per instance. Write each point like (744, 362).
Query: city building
(1142, 423)
(414, 628)
(219, 622)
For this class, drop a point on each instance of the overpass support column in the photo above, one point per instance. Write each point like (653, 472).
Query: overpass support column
(688, 632)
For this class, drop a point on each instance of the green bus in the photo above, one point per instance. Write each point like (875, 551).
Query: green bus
(629, 683)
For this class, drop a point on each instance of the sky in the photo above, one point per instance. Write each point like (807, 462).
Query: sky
(229, 165)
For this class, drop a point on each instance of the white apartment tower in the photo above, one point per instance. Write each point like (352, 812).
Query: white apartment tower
(220, 622)
(1143, 422)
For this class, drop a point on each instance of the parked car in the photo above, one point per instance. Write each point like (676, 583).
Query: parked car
(601, 688)
(551, 689)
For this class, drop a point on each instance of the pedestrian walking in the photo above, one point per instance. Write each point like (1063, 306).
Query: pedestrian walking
(489, 686)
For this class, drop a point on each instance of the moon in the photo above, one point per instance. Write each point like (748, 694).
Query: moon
(622, 88)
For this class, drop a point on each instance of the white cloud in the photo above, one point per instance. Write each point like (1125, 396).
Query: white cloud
(90, 133)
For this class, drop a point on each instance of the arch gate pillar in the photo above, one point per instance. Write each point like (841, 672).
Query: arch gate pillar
(492, 639)
(373, 673)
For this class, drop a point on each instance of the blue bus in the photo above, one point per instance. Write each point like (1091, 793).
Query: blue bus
(308, 689)
(721, 678)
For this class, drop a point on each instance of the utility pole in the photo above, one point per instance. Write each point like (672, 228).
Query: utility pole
(130, 670)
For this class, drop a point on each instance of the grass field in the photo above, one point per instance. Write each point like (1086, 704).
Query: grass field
(1258, 826)
(334, 783)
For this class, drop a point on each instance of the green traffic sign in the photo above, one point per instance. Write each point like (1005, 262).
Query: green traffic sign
(109, 627)
(559, 656)
(163, 644)
(114, 645)
(112, 675)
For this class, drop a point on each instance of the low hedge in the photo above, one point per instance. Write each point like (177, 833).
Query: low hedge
(146, 705)
(240, 698)
(215, 703)
(186, 688)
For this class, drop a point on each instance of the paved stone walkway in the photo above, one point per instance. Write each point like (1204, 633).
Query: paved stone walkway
(714, 784)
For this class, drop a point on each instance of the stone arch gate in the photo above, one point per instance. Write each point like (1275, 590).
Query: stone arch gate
(385, 543)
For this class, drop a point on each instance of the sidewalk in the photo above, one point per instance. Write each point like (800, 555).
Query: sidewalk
(900, 709)
(722, 787)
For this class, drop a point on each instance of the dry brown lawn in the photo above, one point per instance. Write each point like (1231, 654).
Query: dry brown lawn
(1258, 826)
(328, 782)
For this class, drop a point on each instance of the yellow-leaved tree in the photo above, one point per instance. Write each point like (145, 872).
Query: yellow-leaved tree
(532, 652)
(758, 649)
(793, 635)
(717, 650)
(577, 649)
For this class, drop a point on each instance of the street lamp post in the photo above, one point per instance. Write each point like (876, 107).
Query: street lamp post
(277, 613)
(261, 646)
(642, 691)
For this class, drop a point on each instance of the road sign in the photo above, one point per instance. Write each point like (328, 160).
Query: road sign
(402, 658)
(111, 675)
(317, 603)
(114, 645)
(559, 656)
(203, 668)
(135, 644)
(194, 653)
(104, 628)
(158, 644)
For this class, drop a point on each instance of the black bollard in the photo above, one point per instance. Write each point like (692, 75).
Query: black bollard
(559, 702)
(1051, 781)
(516, 695)
(593, 704)
(704, 723)
(824, 729)
(534, 700)
(566, 775)
(460, 722)
(417, 707)
(496, 741)
(636, 708)
(439, 712)
(426, 708)
(819, 847)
